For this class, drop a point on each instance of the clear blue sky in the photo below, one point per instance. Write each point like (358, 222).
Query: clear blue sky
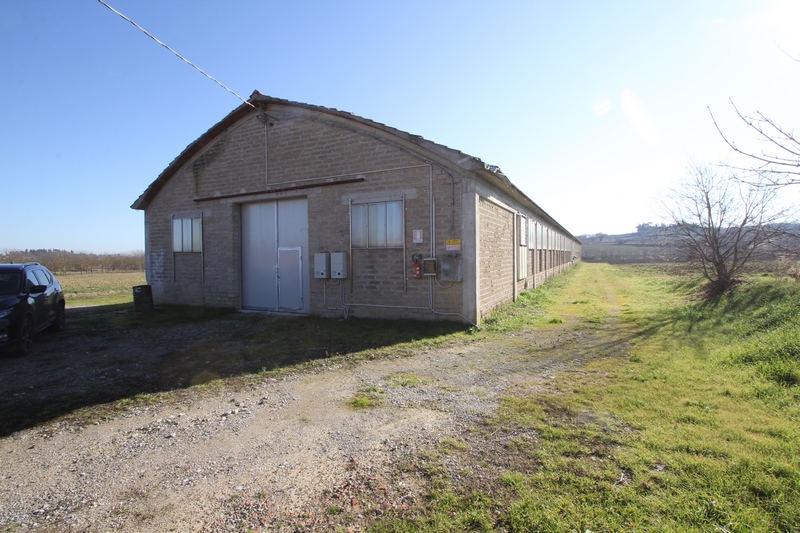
(592, 108)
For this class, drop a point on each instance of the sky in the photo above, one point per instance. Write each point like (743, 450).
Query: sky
(593, 109)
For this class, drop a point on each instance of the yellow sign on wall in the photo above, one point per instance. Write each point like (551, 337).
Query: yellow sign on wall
(452, 245)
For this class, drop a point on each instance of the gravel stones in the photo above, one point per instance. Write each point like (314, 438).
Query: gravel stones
(281, 455)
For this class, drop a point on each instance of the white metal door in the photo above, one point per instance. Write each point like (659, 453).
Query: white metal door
(259, 256)
(274, 235)
(290, 278)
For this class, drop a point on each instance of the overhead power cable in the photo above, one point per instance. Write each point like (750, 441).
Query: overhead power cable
(165, 45)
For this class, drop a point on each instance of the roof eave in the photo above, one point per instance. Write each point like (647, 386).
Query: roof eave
(257, 100)
(188, 153)
(495, 175)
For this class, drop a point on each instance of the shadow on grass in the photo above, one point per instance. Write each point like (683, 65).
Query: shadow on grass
(108, 359)
(753, 307)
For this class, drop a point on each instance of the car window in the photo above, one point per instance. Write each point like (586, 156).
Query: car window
(30, 280)
(9, 283)
(42, 276)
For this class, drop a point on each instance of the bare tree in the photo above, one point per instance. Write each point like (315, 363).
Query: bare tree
(721, 223)
(775, 165)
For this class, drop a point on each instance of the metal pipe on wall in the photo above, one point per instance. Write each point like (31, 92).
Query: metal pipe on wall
(262, 117)
(433, 210)
(350, 249)
(405, 274)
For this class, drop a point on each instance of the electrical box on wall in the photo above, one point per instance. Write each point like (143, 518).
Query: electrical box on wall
(338, 265)
(429, 266)
(450, 269)
(322, 265)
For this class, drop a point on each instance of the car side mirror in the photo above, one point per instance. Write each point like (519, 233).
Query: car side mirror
(37, 289)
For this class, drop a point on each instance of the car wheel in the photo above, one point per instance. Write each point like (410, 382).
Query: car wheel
(26, 336)
(61, 319)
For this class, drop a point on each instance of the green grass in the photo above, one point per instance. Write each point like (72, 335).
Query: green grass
(531, 306)
(109, 288)
(369, 397)
(695, 427)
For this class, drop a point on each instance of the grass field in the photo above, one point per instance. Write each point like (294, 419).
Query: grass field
(82, 290)
(696, 428)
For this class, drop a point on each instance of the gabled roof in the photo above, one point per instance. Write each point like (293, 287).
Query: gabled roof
(258, 101)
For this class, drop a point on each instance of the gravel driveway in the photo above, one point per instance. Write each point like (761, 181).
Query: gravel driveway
(282, 454)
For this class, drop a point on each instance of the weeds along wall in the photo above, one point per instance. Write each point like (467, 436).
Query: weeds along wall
(200, 229)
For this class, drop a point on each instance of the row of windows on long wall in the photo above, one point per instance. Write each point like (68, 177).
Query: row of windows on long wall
(377, 225)
(187, 234)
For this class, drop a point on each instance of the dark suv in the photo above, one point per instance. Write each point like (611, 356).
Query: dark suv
(30, 301)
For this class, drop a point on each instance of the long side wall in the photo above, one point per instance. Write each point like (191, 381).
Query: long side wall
(517, 251)
(496, 256)
(548, 253)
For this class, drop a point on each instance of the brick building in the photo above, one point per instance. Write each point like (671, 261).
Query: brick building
(296, 208)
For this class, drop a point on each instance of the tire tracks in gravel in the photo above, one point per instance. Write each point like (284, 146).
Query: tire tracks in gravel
(282, 454)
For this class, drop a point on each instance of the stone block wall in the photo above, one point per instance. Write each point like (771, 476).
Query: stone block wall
(304, 149)
(496, 256)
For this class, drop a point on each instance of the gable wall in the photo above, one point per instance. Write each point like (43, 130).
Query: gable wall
(383, 277)
(301, 148)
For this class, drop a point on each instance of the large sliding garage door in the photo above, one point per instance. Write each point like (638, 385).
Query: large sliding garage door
(274, 252)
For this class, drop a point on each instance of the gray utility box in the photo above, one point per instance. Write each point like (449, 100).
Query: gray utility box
(322, 265)
(450, 267)
(429, 266)
(339, 265)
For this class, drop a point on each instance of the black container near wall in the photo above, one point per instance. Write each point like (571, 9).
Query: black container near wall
(142, 298)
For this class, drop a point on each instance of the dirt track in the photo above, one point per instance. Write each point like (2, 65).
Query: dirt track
(282, 454)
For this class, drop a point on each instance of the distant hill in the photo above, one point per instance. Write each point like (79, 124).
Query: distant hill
(652, 243)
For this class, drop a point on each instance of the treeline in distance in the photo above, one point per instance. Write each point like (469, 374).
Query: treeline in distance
(64, 261)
